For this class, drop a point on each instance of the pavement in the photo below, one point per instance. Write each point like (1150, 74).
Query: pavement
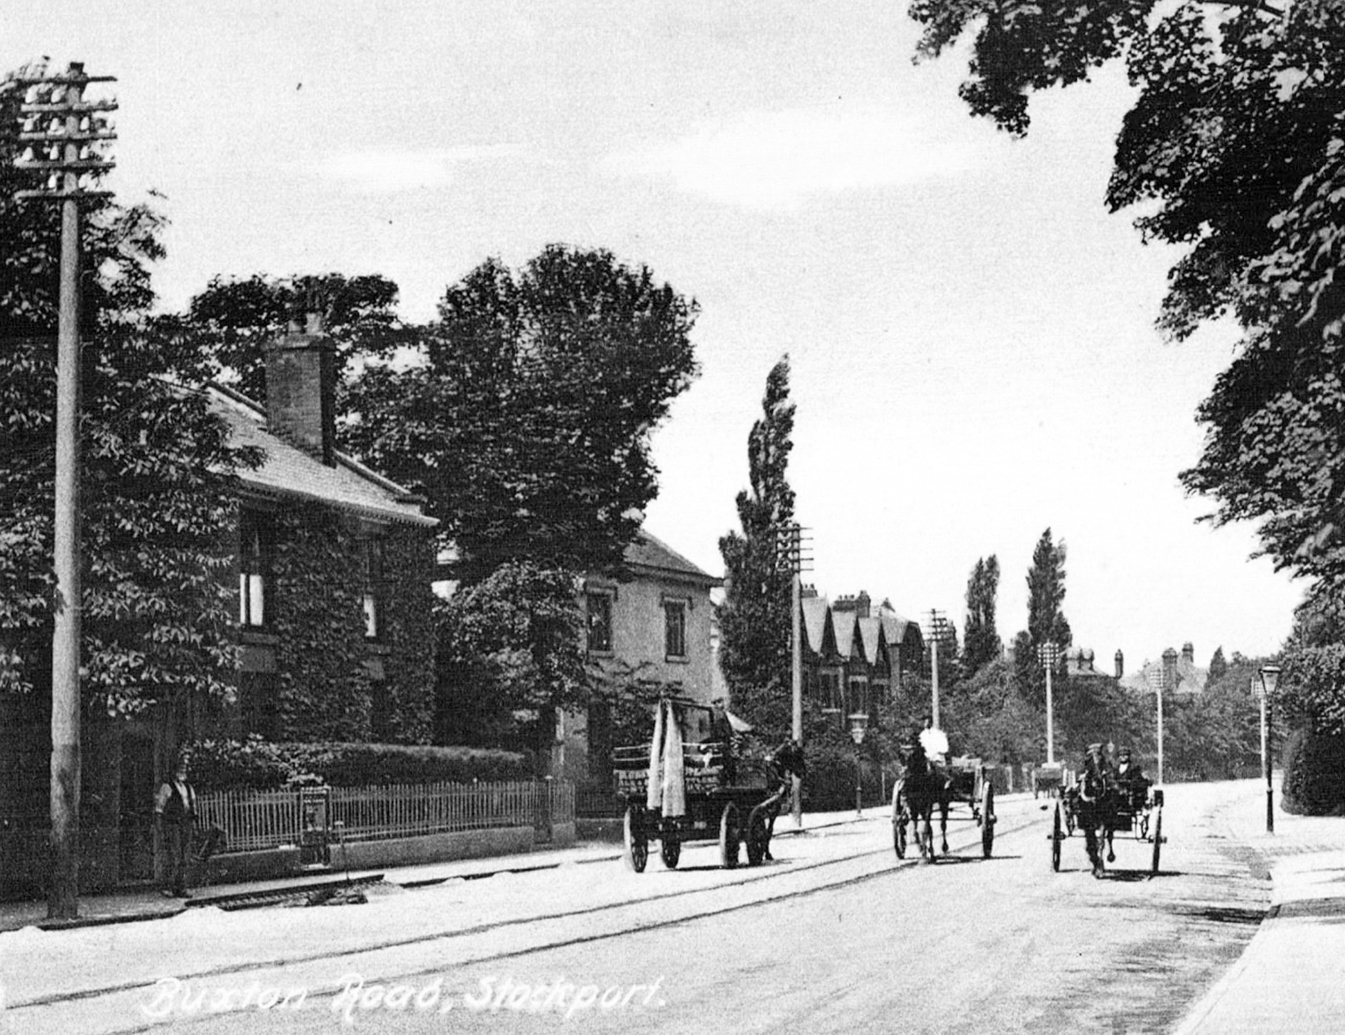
(1291, 976)
(127, 906)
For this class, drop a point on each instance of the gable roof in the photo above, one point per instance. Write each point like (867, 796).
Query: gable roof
(845, 624)
(872, 639)
(817, 625)
(650, 554)
(900, 632)
(288, 472)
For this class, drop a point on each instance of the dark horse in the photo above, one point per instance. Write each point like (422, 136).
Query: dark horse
(1095, 810)
(921, 786)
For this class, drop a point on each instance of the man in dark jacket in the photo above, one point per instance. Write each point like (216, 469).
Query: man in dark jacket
(175, 813)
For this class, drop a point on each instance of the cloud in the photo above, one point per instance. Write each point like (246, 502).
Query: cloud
(777, 159)
(391, 172)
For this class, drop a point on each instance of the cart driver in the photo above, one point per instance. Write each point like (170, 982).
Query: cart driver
(935, 742)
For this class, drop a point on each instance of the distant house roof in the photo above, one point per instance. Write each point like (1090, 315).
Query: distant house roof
(816, 615)
(899, 631)
(1080, 663)
(871, 638)
(1191, 678)
(650, 554)
(287, 471)
(845, 626)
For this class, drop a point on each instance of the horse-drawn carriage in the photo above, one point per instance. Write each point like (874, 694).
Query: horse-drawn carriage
(1047, 778)
(924, 786)
(1112, 807)
(682, 787)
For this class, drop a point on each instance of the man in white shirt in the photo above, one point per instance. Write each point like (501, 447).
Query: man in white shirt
(934, 741)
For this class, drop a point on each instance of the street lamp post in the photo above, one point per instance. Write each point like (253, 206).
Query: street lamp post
(1270, 677)
(859, 723)
(1049, 654)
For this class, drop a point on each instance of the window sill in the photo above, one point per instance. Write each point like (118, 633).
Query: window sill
(677, 659)
(258, 636)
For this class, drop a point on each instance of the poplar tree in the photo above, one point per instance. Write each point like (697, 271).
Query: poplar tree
(755, 621)
(981, 642)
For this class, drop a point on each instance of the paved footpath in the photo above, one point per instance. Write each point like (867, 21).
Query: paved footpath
(1291, 977)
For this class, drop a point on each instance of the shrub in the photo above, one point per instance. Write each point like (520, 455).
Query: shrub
(260, 764)
(1314, 774)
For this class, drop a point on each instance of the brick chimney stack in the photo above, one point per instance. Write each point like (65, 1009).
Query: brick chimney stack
(301, 389)
(1188, 653)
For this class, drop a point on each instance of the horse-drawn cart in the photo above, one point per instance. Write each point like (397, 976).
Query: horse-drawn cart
(1049, 779)
(700, 792)
(1135, 809)
(963, 781)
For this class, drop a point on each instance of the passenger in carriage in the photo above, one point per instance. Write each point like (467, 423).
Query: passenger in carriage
(934, 742)
(1131, 779)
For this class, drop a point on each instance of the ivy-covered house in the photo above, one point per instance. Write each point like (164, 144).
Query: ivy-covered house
(334, 636)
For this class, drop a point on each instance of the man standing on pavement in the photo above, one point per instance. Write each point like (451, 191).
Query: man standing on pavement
(175, 813)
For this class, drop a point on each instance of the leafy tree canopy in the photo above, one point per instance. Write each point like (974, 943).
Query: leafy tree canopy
(234, 319)
(157, 485)
(1235, 148)
(527, 421)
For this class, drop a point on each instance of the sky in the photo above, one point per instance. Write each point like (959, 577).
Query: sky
(971, 333)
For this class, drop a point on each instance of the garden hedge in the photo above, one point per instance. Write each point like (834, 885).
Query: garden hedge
(1314, 774)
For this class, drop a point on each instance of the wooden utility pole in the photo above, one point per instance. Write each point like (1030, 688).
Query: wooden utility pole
(791, 551)
(62, 132)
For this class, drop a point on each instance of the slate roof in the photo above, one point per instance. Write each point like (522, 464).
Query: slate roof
(871, 635)
(844, 625)
(898, 629)
(1191, 678)
(652, 554)
(815, 611)
(289, 472)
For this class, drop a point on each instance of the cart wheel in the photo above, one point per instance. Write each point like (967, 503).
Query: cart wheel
(1056, 838)
(670, 849)
(729, 836)
(1158, 840)
(987, 820)
(637, 842)
(757, 833)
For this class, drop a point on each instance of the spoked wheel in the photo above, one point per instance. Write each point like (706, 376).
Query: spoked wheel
(987, 820)
(637, 842)
(729, 836)
(758, 833)
(1158, 840)
(670, 848)
(1057, 837)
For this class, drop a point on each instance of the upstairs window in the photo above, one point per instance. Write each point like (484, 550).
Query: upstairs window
(599, 607)
(675, 628)
(373, 582)
(255, 555)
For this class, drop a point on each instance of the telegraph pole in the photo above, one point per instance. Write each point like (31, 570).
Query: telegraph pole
(1049, 655)
(937, 626)
(791, 549)
(63, 132)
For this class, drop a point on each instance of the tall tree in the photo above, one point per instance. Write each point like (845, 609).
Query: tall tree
(1234, 148)
(981, 642)
(1046, 622)
(233, 320)
(158, 487)
(527, 413)
(755, 620)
